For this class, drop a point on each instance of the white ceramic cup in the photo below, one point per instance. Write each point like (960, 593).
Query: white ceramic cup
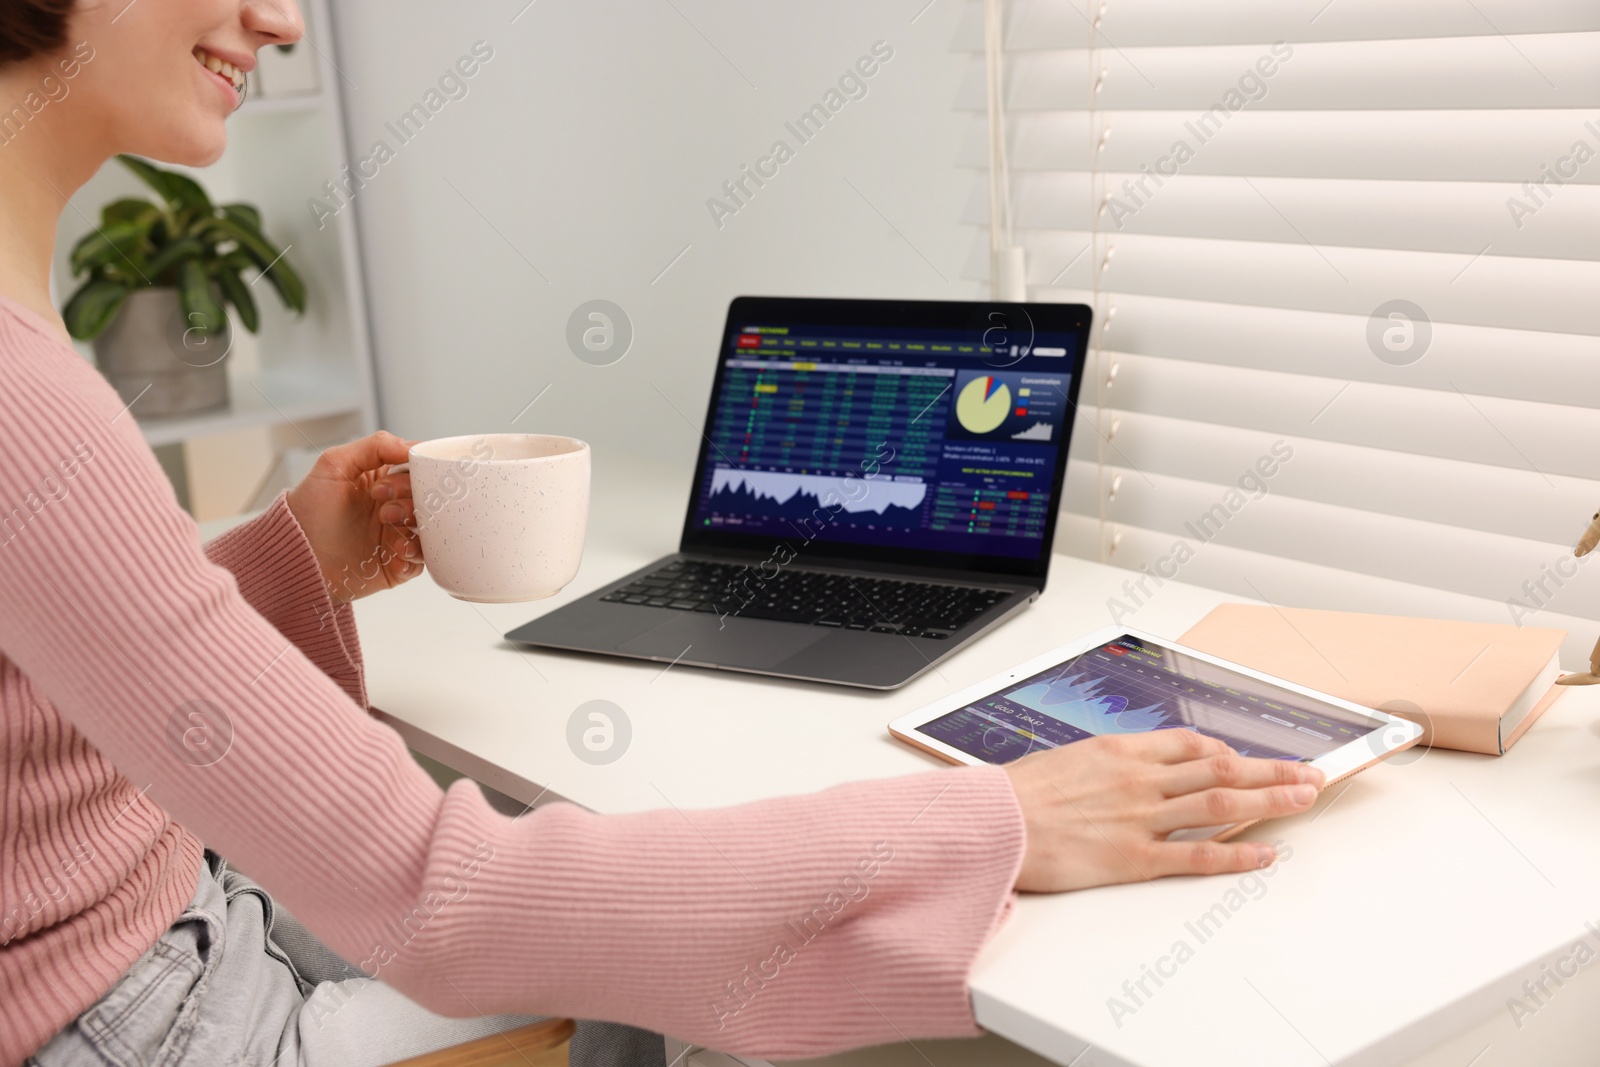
(501, 516)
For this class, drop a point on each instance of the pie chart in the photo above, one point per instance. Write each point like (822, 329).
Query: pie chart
(983, 404)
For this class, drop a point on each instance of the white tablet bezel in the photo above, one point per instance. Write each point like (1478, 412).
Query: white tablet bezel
(1394, 735)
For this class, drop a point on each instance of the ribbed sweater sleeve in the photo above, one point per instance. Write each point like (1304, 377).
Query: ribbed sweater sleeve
(277, 573)
(787, 928)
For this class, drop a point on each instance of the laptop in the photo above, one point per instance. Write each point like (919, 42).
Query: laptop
(878, 484)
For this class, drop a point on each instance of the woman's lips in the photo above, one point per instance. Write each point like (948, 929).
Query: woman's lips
(228, 92)
(227, 77)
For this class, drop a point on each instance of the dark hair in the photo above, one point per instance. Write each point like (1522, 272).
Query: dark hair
(31, 27)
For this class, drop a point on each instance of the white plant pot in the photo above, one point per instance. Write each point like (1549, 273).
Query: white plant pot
(151, 354)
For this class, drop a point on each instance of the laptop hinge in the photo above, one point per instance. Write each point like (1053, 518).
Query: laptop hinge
(901, 570)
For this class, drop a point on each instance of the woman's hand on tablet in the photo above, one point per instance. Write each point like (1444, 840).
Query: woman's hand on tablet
(1098, 812)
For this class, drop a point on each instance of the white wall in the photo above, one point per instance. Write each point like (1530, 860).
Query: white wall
(591, 142)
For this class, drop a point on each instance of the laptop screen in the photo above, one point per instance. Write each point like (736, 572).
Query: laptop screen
(931, 433)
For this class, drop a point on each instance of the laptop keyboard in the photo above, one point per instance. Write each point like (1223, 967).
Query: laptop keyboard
(817, 598)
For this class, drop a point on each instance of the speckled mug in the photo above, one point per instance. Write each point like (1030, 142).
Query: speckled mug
(501, 516)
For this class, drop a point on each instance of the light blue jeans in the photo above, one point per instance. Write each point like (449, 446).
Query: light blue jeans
(237, 982)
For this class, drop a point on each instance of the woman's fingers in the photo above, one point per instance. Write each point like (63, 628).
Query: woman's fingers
(392, 487)
(1235, 772)
(398, 512)
(1222, 807)
(395, 503)
(1207, 857)
(1099, 811)
(405, 554)
(367, 454)
(1174, 745)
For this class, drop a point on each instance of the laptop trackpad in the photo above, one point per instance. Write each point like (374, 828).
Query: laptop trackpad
(741, 643)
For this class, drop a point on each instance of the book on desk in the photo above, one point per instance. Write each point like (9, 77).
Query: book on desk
(1473, 686)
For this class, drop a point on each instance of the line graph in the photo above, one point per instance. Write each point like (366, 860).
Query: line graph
(857, 495)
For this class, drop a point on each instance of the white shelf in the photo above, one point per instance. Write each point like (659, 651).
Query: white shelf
(273, 398)
(302, 104)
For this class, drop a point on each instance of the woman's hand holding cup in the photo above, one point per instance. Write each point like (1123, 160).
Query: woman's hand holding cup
(358, 514)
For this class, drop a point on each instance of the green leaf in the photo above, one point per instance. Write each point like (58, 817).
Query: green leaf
(130, 210)
(86, 254)
(200, 308)
(170, 229)
(105, 244)
(244, 214)
(92, 307)
(190, 195)
(237, 293)
(171, 256)
(178, 190)
(267, 259)
(246, 233)
(154, 177)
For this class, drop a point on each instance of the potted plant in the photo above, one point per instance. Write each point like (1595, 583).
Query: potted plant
(159, 279)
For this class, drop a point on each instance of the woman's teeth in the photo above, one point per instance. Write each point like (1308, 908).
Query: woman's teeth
(221, 67)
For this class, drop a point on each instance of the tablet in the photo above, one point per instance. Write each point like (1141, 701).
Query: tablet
(1123, 681)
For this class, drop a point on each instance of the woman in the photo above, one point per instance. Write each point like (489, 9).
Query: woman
(125, 939)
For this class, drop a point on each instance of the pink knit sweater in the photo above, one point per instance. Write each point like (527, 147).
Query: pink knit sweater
(155, 694)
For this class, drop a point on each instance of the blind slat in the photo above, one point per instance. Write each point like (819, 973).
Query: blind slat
(1559, 70)
(1551, 368)
(1487, 290)
(1183, 22)
(1365, 542)
(1547, 439)
(1509, 501)
(1478, 146)
(1563, 222)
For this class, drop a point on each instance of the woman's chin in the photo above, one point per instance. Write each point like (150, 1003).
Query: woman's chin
(199, 145)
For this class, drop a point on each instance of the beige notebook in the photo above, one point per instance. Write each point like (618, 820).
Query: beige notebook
(1475, 686)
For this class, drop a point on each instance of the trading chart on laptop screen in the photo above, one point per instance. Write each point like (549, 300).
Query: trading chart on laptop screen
(916, 439)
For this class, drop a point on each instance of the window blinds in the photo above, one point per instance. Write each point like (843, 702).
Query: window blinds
(1344, 259)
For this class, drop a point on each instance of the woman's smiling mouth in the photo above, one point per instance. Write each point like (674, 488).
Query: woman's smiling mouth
(224, 72)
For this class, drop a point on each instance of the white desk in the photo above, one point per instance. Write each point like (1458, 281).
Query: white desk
(1429, 891)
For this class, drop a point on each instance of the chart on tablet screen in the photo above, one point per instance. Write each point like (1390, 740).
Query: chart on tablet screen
(1124, 687)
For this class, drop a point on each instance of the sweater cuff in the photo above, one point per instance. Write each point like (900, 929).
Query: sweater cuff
(277, 572)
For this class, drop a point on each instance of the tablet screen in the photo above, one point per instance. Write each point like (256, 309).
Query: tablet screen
(1128, 686)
